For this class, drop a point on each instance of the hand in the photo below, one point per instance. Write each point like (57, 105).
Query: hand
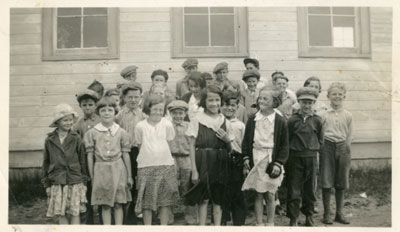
(246, 167)
(130, 182)
(195, 177)
(48, 191)
(275, 171)
(221, 134)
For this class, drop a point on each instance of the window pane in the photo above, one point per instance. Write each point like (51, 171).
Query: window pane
(343, 10)
(95, 31)
(340, 21)
(196, 30)
(320, 30)
(69, 11)
(69, 32)
(221, 10)
(191, 10)
(319, 10)
(222, 30)
(343, 31)
(95, 11)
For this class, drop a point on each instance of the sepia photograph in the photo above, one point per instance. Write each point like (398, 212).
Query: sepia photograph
(233, 116)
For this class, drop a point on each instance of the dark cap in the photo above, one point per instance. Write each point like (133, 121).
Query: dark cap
(131, 86)
(87, 93)
(98, 87)
(178, 104)
(307, 93)
(220, 66)
(251, 73)
(189, 63)
(128, 70)
(253, 61)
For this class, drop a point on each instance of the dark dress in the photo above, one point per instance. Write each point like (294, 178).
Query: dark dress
(212, 163)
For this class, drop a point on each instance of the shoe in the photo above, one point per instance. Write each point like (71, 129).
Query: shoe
(293, 222)
(315, 210)
(270, 224)
(327, 220)
(309, 221)
(341, 219)
(279, 210)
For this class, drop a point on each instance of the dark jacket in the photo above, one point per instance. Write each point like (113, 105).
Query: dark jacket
(186, 97)
(64, 163)
(280, 153)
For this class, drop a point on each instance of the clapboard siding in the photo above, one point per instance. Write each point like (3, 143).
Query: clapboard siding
(145, 40)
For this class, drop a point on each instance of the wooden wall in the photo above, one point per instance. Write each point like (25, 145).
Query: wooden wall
(37, 86)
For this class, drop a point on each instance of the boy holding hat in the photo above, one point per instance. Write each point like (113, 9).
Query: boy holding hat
(250, 94)
(127, 118)
(179, 146)
(305, 141)
(182, 87)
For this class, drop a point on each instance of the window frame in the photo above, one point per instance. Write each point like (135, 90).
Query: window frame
(50, 52)
(362, 41)
(178, 50)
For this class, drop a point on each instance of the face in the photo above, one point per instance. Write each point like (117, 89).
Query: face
(131, 77)
(209, 81)
(336, 96)
(230, 109)
(88, 106)
(107, 114)
(157, 112)
(265, 100)
(159, 79)
(213, 103)
(251, 83)
(178, 115)
(115, 98)
(159, 91)
(282, 84)
(191, 69)
(306, 106)
(66, 122)
(251, 66)
(223, 74)
(194, 88)
(132, 99)
(314, 84)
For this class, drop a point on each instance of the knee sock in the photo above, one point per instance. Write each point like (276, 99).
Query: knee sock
(339, 195)
(326, 199)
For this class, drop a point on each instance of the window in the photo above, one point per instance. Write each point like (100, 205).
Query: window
(334, 32)
(209, 32)
(80, 33)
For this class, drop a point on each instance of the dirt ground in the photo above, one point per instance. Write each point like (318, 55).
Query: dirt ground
(362, 212)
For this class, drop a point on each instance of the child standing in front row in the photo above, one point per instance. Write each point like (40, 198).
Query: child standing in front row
(265, 144)
(64, 168)
(157, 183)
(335, 155)
(108, 146)
(210, 145)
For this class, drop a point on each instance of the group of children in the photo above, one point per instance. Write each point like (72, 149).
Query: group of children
(134, 153)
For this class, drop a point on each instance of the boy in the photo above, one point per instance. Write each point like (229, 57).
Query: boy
(97, 87)
(221, 76)
(114, 94)
(229, 107)
(250, 94)
(127, 118)
(305, 140)
(253, 64)
(182, 87)
(129, 74)
(335, 156)
(180, 151)
(288, 97)
(87, 100)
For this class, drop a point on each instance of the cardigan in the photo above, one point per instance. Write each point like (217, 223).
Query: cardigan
(280, 152)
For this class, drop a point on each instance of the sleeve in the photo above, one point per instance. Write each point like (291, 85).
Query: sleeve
(283, 152)
(82, 160)
(178, 89)
(350, 125)
(118, 118)
(125, 141)
(193, 129)
(290, 128)
(170, 131)
(229, 130)
(321, 132)
(45, 165)
(138, 134)
(89, 141)
(75, 127)
(246, 143)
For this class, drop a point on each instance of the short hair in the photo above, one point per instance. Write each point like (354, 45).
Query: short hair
(104, 102)
(159, 72)
(204, 93)
(152, 100)
(276, 96)
(198, 79)
(87, 97)
(229, 95)
(153, 86)
(280, 77)
(313, 78)
(206, 74)
(338, 85)
(112, 92)
(275, 73)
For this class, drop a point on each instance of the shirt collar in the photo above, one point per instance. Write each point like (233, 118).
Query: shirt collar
(133, 111)
(260, 116)
(330, 109)
(210, 122)
(92, 117)
(113, 129)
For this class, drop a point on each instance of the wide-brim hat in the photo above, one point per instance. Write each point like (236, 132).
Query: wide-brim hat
(61, 111)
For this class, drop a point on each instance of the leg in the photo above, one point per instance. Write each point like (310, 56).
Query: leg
(130, 217)
(238, 206)
(217, 214)
(270, 199)
(63, 220)
(147, 216)
(326, 199)
(309, 186)
(294, 188)
(339, 195)
(165, 211)
(75, 220)
(106, 214)
(118, 214)
(203, 212)
(258, 208)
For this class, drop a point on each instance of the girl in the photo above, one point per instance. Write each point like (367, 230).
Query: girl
(265, 145)
(196, 83)
(65, 184)
(157, 182)
(318, 107)
(210, 142)
(110, 169)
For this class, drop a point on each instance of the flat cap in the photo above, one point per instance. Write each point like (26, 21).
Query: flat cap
(178, 104)
(128, 70)
(87, 92)
(253, 61)
(98, 87)
(220, 66)
(307, 93)
(251, 73)
(133, 85)
(190, 62)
